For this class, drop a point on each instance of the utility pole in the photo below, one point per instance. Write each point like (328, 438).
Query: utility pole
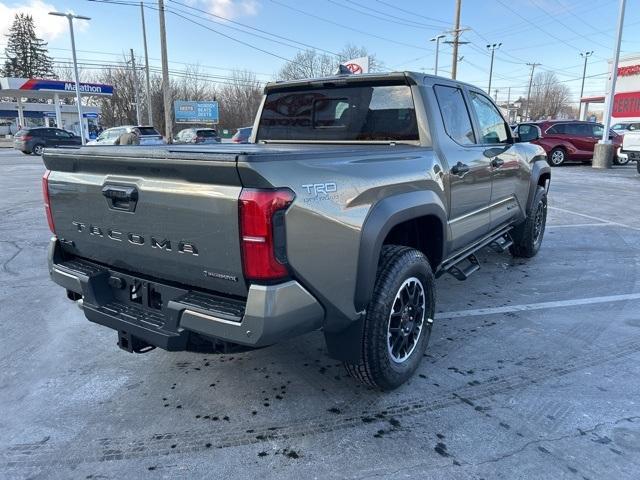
(135, 87)
(168, 121)
(70, 16)
(496, 95)
(493, 47)
(146, 68)
(533, 67)
(584, 55)
(509, 104)
(437, 39)
(456, 39)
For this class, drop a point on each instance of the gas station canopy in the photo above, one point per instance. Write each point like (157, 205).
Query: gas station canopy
(39, 88)
(20, 88)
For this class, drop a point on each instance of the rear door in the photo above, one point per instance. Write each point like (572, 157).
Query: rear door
(506, 161)
(167, 215)
(469, 170)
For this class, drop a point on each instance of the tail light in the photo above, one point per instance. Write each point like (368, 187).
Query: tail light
(26, 138)
(235, 139)
(262, 232)
(47, 204)
(199, 139)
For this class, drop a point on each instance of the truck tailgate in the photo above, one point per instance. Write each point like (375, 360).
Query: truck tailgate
(168, 215)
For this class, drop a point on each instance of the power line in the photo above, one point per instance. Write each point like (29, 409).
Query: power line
(253, 28)
(387, 17)
(326, 20)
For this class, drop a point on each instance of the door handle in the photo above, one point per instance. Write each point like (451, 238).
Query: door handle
(497, 162)
(460, 169)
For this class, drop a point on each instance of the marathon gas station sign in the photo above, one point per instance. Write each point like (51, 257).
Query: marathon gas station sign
(33, 85)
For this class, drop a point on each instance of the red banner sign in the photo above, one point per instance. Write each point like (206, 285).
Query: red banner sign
(630, 70)
(626, 105)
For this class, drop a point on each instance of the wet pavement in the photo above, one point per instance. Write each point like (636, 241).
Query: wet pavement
(532, 370)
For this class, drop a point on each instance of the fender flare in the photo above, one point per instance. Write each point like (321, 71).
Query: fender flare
(382, 217)
(539, 167)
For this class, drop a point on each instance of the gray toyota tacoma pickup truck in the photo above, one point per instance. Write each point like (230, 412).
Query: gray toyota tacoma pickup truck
(354, 194)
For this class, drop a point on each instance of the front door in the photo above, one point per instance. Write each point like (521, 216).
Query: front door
(469, 174)
(507, 163)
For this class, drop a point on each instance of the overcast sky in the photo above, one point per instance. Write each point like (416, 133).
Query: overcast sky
(550, 32)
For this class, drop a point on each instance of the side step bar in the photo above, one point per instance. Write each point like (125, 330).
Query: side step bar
(463, 264)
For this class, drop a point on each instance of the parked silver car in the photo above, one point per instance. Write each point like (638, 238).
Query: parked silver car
(197, 135)
(148, 135)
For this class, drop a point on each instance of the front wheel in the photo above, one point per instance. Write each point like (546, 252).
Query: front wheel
(398, 322)
(527, 237)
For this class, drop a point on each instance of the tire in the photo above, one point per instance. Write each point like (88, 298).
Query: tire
(527, 237)
(394, 340)
(37, 149)
(557, 157)
(620, 161)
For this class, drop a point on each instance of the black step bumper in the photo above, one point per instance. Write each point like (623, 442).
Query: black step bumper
(166, 315)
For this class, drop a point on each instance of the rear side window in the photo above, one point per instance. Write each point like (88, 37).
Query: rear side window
(350, 113)
(493, 128)
(455, 115)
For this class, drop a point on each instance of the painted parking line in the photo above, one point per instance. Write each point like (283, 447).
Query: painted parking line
(591, 217)
(537, 306)
(578, 225)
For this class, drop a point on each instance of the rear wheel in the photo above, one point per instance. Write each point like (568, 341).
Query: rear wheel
(398, 321)
(37, 149)
(620, 160)
(527, 238)
(557, 157)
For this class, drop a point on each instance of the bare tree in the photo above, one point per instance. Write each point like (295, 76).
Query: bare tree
(239, 100)
(311, 63)
(549, 97)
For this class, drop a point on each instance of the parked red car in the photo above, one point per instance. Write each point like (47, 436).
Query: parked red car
(567, 140)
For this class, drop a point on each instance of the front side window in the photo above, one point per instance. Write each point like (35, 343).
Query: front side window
(493, 128)
(597, 131)
(455, 115)
(359, 112)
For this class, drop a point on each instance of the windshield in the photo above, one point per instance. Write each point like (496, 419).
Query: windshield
(349, 113)
(619, 126)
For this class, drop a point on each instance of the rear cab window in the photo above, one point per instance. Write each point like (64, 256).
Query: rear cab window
(360, 112)
(148, 131)
(206, 133)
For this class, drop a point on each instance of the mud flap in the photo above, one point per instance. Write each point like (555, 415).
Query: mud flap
(346, 345)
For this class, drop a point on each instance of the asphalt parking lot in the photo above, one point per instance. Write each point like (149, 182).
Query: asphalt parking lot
(532, 372)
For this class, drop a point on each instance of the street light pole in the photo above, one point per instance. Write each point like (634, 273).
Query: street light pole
(614, 76)
(70, 16)
(437, 40)
(493, 47)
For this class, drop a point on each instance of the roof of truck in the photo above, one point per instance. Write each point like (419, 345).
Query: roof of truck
(416, 78)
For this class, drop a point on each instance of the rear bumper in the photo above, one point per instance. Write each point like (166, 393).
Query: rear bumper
(166, 315)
